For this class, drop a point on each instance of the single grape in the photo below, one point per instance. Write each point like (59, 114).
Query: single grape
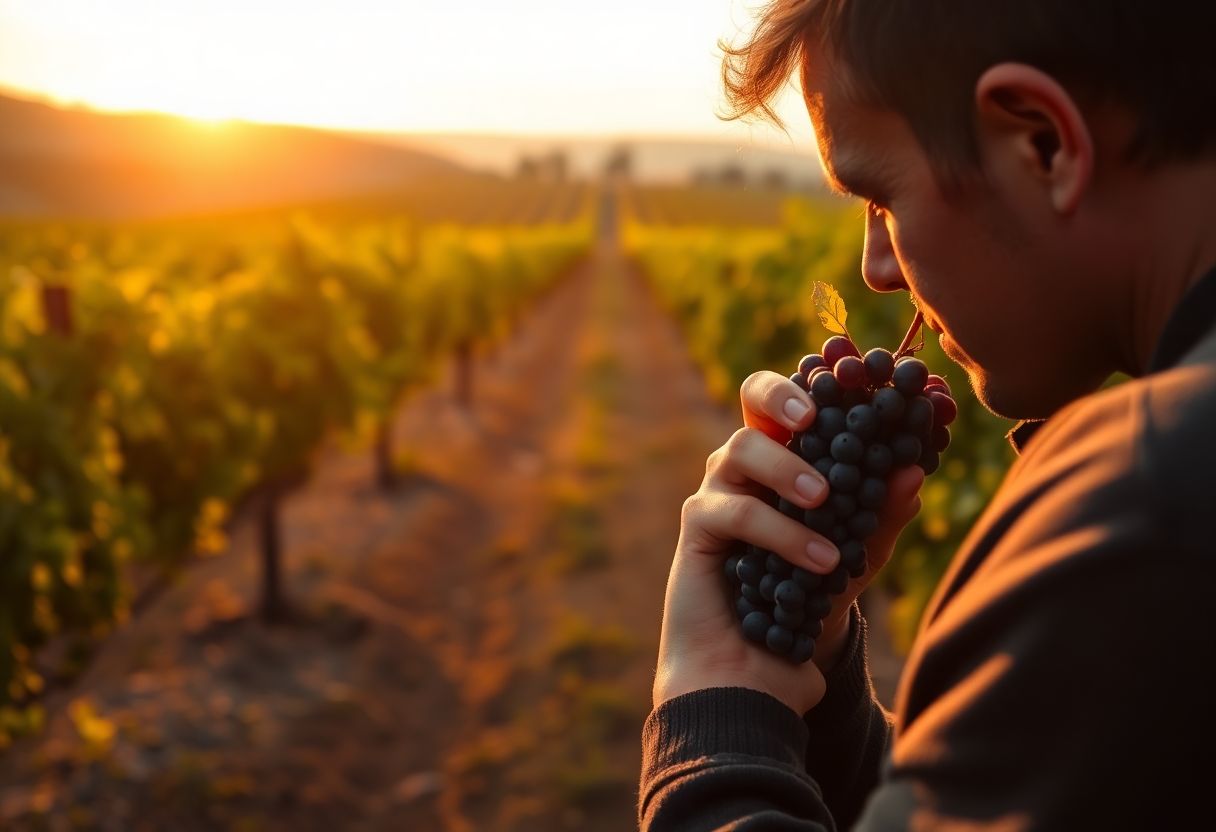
(929, 461)
(945, 409)
(800, 380)
(848, 447)
(732, 567)
(852, 554)
(807, 579)
(836, 348)
(768, 585)
(810, 362)
(789, 618)
(790, 595)
(836, 581)
(744, 607)
(852, 398)
(818, 604)
(829, 422)
(824, 465)
(872, 493)
(750, 569)
(842, 505)
(803, 648)
(756, 624)
(844, 478)
(941, 438)
(909, 376)
(889, 404)
(878, 459)
(813, 627)
(820, 519)
(935, 388)
(752, 593)
(840, 533)
(879, 365)
(779, 639)
(858, 570)
(935, 379)
(812, 446)
(825, 389)
(850, 372)
(862, 524)
(862, 421)
(905, 448)
(918, 416)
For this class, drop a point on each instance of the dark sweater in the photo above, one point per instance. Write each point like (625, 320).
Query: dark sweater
(1056, 679)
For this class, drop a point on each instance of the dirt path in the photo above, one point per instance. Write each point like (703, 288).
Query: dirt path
(477, 646)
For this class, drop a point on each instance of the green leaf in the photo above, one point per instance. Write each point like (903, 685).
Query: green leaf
(829, 305)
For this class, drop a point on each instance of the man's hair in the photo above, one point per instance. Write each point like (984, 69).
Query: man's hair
(922, 58)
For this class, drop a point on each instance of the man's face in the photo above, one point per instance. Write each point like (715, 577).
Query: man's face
(981, 268)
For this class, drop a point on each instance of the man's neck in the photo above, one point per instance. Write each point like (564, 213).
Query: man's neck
(1173, 231)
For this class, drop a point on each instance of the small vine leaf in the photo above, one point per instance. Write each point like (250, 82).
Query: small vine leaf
(829, 305)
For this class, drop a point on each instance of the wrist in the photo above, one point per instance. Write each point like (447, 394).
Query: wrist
(830, 647)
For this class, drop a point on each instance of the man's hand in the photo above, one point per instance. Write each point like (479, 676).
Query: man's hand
(701, 645)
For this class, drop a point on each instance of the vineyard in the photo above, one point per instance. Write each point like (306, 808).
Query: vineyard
(362, 514)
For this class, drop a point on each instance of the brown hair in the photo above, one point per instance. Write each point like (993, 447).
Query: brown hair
(921, 59)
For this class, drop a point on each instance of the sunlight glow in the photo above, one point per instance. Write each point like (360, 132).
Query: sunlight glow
(532, 66)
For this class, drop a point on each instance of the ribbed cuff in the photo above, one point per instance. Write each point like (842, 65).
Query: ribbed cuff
(721, 721)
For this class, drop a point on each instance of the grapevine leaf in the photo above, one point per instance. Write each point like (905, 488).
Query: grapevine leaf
(830, 307)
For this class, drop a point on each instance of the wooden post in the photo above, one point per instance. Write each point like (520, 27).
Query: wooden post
(271, 540)
(464, 374)
(57, 309)
(382, 451)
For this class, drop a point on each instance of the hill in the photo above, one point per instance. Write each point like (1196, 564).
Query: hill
(57, 162)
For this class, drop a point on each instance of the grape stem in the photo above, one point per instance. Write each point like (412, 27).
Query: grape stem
(905, 346)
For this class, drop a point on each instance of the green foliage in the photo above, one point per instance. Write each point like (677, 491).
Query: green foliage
(201, 365)
(747, 300)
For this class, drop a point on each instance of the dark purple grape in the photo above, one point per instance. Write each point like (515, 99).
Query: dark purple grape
(812, 446)
(836, 348)
(807, 579)
(878, 459)
(800, 380)
(872, 493)
(732, 568)
(756, 624)
(813, 627)
(774, 564)
(788, 617)
(936, 380)
(779, 639)
(852, 554)
(858, 570)
(929, 461)
(744, 607)
(909, 376)
(820, 519)
(768, 585)
(830, 422)
(850, 372)
(752, 593)
(863, 524)
(803, 649)
(905, 448)
(842, 505)
(852, 398)
(941, 438)
(844, 478)
(889, 404)
(879, 364)
(840, 533)
(825, 390)
(944, 408)
(836, 581)
(918, 416)
(862, 421)
(750, 569)
(790, 595)
(818, 604)
(810, 362)
(848, 447)
(824, 465)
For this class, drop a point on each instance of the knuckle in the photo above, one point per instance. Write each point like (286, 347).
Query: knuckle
(743, 512)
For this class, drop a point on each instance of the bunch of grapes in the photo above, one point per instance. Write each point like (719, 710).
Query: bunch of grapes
(876, 413)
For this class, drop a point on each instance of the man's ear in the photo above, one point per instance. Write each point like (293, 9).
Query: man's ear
(1028, 121)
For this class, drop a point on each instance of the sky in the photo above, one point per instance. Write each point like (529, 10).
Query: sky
(553, 67)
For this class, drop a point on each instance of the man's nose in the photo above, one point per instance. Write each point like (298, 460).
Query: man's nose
(879, 265)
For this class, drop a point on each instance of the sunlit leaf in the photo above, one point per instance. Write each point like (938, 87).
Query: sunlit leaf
(829, 305)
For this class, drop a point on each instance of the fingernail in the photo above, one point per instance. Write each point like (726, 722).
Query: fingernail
(809, 486)
(795, 409)
(823, 555)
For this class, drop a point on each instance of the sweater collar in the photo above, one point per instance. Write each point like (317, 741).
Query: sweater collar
(1193, 318)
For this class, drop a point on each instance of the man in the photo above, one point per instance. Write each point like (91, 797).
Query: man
(1041, 177)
